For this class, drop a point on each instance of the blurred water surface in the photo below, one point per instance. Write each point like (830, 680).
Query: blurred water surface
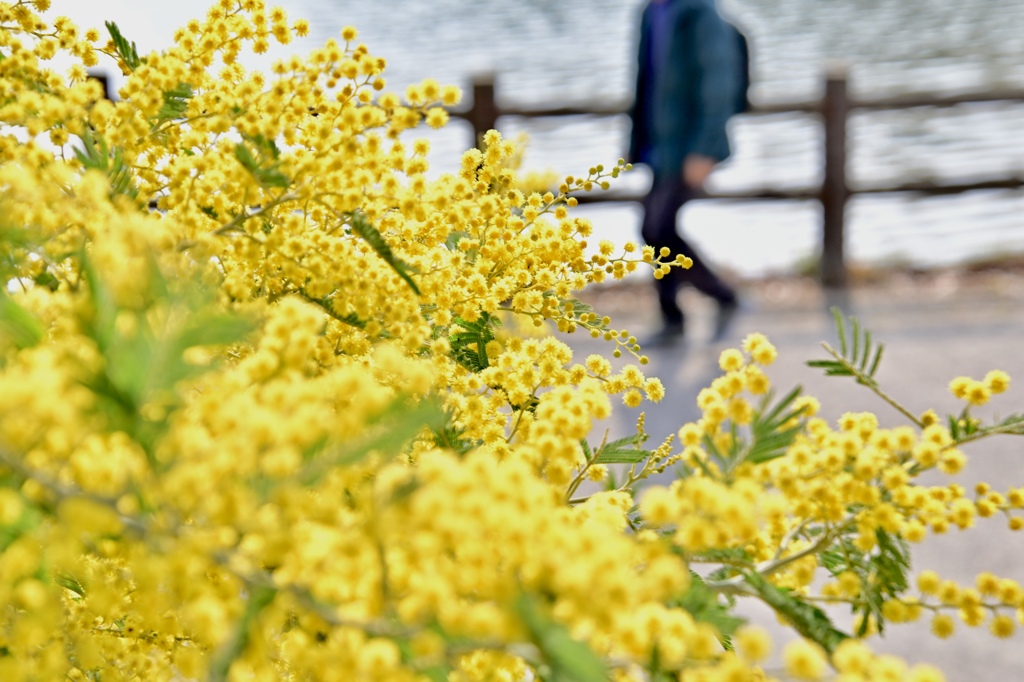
(544, 52)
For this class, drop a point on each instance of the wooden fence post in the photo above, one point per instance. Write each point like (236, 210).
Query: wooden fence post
(483, 115)
(834, 191)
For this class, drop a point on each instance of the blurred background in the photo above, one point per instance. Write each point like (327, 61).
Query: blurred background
(544, 53)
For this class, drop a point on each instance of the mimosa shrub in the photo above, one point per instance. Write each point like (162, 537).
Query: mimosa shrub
(276, 403)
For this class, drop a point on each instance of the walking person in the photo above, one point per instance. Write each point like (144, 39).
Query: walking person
(691, 79)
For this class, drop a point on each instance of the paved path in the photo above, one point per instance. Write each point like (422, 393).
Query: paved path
(933, 331)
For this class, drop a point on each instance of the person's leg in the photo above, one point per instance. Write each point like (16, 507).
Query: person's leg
(661, 207)
(700, 277)
(705, 281)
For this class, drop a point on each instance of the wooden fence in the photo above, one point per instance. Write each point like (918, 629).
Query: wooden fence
(834, 109)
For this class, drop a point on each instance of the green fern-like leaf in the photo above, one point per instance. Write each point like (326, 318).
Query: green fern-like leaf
(17, 324)
(454, 438)
(94, 154)
(361, 227)
(623, 451)
(1013, 424)
(577, 308)
(267, 174)
(127, 51)
(469, 342)
(175, 103)
(727, 555)
(388, 433)
(705, 606)
(857, 356)
(886, 578)
(807, 619)
(330, 305)
(569, 659)
(70, 582)
(963, 430)
(257, 601)
(770, 437)
(720, 458)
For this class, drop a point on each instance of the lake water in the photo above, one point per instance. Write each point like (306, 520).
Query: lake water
(544, 53)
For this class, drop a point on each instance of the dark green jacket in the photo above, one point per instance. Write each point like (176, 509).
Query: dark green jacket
(683, 108)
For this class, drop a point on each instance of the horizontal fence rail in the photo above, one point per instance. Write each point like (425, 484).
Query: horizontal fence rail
(834, 192)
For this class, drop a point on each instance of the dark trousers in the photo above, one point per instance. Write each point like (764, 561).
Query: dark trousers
(661, 206)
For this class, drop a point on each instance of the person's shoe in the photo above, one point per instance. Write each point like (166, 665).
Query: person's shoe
(723, 318)
(668, 335)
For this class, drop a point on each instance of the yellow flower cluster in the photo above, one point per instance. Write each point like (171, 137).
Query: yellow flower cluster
(976, 392)
(852, 660)
(991, 596)
(278, 403)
